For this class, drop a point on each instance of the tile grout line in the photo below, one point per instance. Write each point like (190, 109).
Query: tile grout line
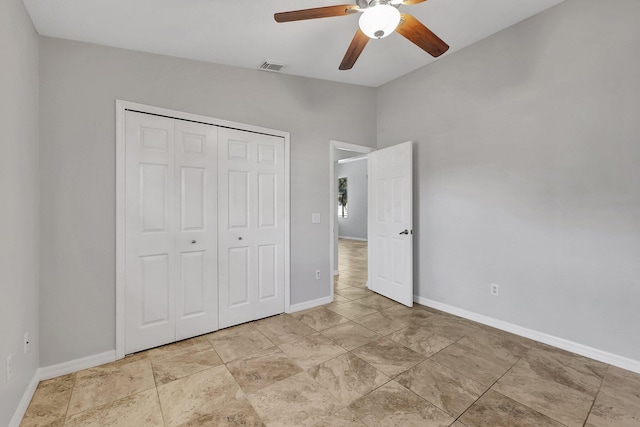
(513, 399)
(494, 383)
(462, 375)
(390, 377)
(164, 422)
(595, 397)
(66, 412)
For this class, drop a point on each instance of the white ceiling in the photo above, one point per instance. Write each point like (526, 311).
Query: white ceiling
(243, 33)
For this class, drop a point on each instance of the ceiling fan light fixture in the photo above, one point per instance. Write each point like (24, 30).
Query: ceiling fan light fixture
(379, 21)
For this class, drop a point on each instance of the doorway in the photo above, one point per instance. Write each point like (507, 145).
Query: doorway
(389, 218)
(353, 210)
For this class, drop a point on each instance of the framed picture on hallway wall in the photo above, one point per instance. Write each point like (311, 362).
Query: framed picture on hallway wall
(342, 198)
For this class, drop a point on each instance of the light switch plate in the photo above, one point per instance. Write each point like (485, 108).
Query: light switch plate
(315, 218)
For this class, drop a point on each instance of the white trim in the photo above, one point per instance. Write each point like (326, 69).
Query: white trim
(336, 272)
(360, 239)
(18, 414)
(53, 371)
(121, 107)
(352, 159)
(197, 118)
(287, 222)
(311, 304)
(574, 347)
(333, 146)
(76, 365)
(120, 225)
(356, 148)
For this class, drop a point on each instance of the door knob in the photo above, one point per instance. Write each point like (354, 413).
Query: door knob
(193, 242)
(404, 232)
(239, 238)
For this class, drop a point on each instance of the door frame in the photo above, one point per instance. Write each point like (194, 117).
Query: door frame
(333, 203)
(121, 108)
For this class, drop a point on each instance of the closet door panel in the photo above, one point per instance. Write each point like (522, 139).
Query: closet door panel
(196, 236)
(251, 226)
(150, 224)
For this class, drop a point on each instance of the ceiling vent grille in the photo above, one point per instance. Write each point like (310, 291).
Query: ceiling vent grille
(271, 66)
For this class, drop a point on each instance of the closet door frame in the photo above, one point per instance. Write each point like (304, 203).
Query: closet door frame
(121, 108)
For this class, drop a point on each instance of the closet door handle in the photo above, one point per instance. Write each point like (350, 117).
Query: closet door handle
(193, 242)
(239, 238)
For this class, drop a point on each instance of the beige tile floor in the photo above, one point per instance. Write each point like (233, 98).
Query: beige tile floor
(362, 360)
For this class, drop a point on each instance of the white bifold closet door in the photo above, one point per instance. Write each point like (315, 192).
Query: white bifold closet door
(251, 226)
(171, 290)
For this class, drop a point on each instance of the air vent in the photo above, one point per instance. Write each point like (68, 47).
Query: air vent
(271, 66)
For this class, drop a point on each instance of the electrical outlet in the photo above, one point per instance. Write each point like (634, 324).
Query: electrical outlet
(317, 274)
(26, 342)
(9, 367)
(495, 290)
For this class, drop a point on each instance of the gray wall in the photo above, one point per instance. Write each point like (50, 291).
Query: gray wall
(527, 173)
(79, 83)
(355, 225)
(19, 194)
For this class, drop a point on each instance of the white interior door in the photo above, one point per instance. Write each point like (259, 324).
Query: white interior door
(171, 230)
(251, 225)
(196, 154)
(390, 226)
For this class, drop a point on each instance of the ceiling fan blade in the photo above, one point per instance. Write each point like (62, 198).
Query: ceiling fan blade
(317, 12)
(414, 31)
(355, 49)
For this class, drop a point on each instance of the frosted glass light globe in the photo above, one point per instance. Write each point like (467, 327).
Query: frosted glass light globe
(379, 21)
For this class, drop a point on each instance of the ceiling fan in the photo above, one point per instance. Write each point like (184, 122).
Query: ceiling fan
(379, 19)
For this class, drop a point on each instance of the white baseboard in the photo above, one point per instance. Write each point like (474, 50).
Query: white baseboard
(24, 402)
(574, 347)
(76, 365)
(53, 371)
(311, 304)
(360, 239)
